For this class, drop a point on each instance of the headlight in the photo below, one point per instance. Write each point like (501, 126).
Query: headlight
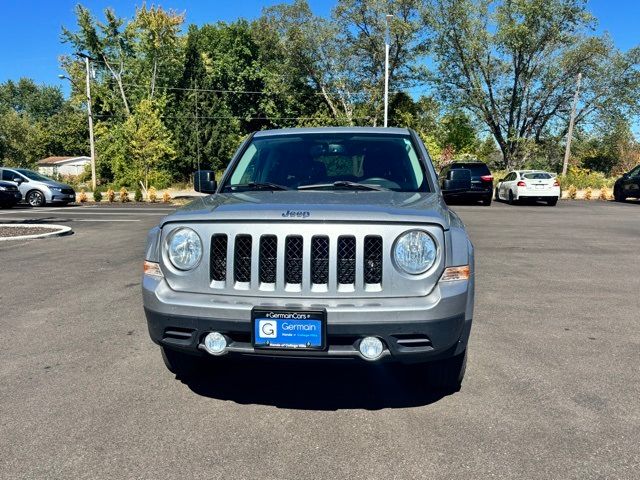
(55, 189)
(185, 249)
(2, 189)
(415, 252)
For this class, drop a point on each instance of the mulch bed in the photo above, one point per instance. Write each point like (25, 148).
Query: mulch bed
(20, 231)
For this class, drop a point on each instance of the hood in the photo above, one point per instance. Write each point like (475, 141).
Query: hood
(317, 206)
(53, 183)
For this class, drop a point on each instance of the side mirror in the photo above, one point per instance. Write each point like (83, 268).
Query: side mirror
(457, 181)
(625, 175)
(18, 180)
(204, 181)
(501, 180)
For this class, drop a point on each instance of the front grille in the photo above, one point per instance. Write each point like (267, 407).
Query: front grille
(242, 259)
(318, 263)
(268, 258)
(320, 260)
(293, 255)
(372, 259)
(67, 191)
(346, 260)
(219, 258)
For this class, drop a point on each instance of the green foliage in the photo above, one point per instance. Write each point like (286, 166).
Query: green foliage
(139, 149)
(167, 100)
(582, 178)
(515, 63)
(97, 196)
(137, 196)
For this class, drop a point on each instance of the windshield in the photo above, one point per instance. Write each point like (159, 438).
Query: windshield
(33, 175)
(331, 161)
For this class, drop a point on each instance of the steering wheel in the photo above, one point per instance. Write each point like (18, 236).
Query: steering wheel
(383, 182)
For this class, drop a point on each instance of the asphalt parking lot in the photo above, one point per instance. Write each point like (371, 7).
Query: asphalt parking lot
(552, 387)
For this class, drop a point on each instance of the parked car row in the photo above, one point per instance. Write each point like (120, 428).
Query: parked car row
(517, 186)
(520, 185)
(37, 190)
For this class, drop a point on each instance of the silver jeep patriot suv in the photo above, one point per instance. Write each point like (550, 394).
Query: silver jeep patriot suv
(317, 242)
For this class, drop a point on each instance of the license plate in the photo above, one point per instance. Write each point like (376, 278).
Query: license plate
(539, 187)
(289, 329)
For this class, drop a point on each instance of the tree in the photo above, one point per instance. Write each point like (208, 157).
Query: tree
(148, 147)
(108, 42)
(21, 140)
(362, 26)
(157, 33)
(514, 66)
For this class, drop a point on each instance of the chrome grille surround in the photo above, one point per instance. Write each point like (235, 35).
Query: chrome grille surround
(302, 260)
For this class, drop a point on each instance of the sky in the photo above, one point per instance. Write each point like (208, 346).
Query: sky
(30, 30)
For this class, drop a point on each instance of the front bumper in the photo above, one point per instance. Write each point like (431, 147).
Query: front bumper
(62, 198)
(10, 197)
(413, 329)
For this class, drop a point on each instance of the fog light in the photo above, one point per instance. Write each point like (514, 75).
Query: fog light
(215, 343)
(371, 348)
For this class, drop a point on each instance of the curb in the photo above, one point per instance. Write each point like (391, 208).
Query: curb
(62, 230)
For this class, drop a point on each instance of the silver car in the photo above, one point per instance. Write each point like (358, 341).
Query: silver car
(328, 243)
(37, 189)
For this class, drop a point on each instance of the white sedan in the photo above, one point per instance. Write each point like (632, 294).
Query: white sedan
(520, 185)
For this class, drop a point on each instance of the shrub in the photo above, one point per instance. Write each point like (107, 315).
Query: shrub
(111, 195)
(605, 194)
(166, 197)
(97, 196)
(159, 178)
(82, 198)
(572, 192)
(588, 193)
(137, 196)
(583, 178)
(153, 194)
(124, 195)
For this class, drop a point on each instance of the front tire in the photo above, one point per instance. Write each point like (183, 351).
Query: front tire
(496, 196)
(35, 198)
(618, 196)
(448, 374)
(182, 365)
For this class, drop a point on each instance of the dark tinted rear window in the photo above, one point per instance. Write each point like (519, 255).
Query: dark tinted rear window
(477, 169)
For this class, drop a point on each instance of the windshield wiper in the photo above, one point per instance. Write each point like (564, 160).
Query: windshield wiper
(342, 184)
(257, 186)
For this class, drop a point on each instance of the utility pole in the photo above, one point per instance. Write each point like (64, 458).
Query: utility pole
(386, 70)
(567, 152)
(89, 114)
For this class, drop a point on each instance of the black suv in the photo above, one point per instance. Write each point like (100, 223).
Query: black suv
(627, 186)
(481, 182)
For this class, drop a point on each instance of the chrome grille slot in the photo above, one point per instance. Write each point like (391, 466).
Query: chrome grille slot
(293, 264)
(218, 261)
(346, 260)
(372, 259)
(320, 260)
(268, 258)
(242, 259)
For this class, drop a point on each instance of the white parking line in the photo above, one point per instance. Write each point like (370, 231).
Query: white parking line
(121, 214)
(118, 209)
(22, 219)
